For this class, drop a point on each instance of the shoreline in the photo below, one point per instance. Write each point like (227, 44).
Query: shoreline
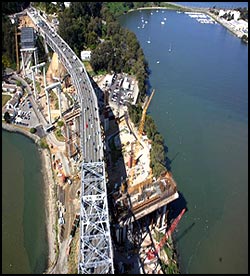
(49, 198)
(176, 7)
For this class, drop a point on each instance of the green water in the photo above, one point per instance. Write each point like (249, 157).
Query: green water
(24, 244)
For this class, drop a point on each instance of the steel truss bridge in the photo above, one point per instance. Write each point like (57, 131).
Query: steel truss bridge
(96, 253)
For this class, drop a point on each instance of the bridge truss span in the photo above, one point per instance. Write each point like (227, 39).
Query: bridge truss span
(95, 245)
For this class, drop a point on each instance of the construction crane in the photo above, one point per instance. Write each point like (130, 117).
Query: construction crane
(137, 143)
(151, 254)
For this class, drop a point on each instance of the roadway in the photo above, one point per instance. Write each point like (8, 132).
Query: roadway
(90, 129)
(96, 253)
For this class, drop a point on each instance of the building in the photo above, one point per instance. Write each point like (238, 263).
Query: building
(66, 4)
(14, 102)
(27, 38)
(8, 87)
(108, 80)
(19, 92)
(126, 84)
(85, 55)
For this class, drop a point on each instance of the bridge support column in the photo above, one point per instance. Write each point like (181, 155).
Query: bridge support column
(23, 63)
(59, 99)
(35, 58)
(44, 77)
(34, 84)
(163, 215)
(48, 103)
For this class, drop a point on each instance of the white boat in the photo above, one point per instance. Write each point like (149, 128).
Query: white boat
(148, 41)
(157, 61)
(170, 49)
(162, 22)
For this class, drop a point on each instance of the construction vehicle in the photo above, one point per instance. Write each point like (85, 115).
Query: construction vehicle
(151, 254)
(134, 154)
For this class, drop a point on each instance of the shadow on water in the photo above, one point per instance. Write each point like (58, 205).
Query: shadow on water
(176, 206)
(185, 232)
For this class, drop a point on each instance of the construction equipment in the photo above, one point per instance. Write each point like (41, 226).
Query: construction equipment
(151, 254)
(137, 143)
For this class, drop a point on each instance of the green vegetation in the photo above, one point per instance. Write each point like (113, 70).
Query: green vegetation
(5, 99)
(118, 8)
(8, 44)
(48, 7)
(91, 25)
(42, 57)
(38, 87)
(13, 7)
(171, 266)
(60, 123)
(88, 67)
(8, 37)
(43, 143)
(244, 38)
(135, 113)
(74, 252)
(59, 136)
(54, 99)
(18, 83)
(243, 13)
(33, 130)
(7, 117)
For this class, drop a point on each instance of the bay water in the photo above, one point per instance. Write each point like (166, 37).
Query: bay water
(24, 238)
(200, 106)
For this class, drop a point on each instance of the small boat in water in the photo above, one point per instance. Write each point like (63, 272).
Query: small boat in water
(170, 49)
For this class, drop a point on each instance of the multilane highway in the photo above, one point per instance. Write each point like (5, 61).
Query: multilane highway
(96, 255)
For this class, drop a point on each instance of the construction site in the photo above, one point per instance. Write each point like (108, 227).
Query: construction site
(137, 200)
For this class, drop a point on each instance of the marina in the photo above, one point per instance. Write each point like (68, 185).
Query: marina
(201, 17)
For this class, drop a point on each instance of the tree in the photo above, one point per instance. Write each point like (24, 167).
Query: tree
(60, 123)
(244, 38)
(33, 130)
(150, 127)
(158, 138)
(7, 117)
(158, 169)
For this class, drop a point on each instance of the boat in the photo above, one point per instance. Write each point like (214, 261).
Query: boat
(162, 22)
(170, 49)
(158, 61)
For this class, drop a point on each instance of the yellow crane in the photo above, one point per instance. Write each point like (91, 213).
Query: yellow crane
(137, 142)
